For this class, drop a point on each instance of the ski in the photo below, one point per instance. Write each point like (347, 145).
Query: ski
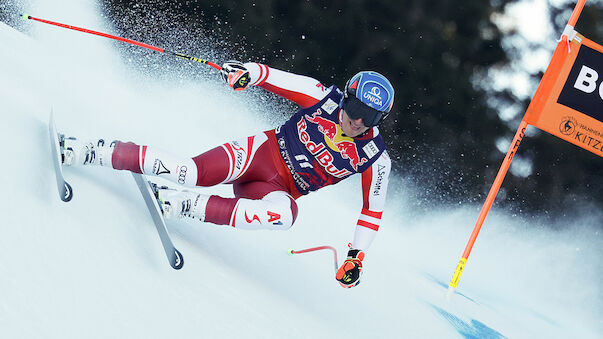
(65, 190)
(174, 256)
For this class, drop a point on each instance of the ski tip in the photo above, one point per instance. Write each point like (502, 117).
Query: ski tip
(68, 193)
(178, 260)
(25, 16)
(290, 251)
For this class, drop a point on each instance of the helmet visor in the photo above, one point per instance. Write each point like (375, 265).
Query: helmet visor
(357, 109)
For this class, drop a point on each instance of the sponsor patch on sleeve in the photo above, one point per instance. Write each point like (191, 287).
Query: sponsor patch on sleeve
(329, 106)
(370, 149)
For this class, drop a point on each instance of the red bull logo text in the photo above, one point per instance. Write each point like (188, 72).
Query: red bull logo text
(320, 150)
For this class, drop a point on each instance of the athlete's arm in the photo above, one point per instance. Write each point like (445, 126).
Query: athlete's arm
(303, 90)
(374, 190)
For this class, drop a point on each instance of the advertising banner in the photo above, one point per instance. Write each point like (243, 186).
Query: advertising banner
(569, 100)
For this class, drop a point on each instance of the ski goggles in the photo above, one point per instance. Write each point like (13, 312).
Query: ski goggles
(357, 109)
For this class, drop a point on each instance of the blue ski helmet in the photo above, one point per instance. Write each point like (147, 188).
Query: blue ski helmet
(368, 95)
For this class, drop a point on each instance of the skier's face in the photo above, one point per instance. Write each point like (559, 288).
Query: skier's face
(351, 127)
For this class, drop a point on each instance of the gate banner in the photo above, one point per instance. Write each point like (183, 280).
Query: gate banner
(569, 99)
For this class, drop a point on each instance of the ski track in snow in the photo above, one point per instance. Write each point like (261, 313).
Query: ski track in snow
(94, 267)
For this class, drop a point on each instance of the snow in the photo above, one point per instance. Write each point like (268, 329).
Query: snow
(94, 267)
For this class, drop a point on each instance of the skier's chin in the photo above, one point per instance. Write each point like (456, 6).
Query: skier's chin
(349, 130)
(353, 134)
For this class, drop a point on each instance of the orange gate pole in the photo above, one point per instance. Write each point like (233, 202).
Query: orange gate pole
(489, 200)
(501, 174)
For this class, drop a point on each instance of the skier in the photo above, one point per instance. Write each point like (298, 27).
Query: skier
(332, 136)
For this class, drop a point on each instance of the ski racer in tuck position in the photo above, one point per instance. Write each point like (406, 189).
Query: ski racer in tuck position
(333, 136)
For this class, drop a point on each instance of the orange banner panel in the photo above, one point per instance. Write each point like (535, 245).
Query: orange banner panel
(569, 99)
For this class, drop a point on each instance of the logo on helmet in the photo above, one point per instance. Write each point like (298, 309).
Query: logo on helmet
(374, 96)
(376, 92)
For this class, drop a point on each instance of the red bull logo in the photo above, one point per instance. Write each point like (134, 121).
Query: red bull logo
(349, 151)
(326, 127)
(334, 138)
(320, 152)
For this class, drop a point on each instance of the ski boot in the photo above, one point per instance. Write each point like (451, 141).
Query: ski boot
(176, 204)
(76, 153)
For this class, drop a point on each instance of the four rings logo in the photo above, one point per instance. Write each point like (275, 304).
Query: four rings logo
(568, 125)
(182, 175)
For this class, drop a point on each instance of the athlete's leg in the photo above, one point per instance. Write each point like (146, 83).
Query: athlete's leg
(261, 198)
(275, 211)
(154, 161)
(224, 164)
(129, 156)
(257, 205)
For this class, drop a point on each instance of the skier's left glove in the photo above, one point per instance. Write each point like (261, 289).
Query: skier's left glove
(235, 74)
(348, 274)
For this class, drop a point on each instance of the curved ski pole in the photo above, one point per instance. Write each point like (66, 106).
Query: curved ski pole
(291, 251)
(130, 41)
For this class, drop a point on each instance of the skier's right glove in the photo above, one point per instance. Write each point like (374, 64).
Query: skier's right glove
(235, 74)
(348, 274)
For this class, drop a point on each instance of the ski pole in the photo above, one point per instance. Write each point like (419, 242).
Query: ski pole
(130, 41)
(318, 249)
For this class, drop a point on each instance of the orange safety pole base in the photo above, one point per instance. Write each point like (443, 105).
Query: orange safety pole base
(486, 207)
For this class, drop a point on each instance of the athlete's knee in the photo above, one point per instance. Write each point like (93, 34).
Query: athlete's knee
(284, 209)
(275, 211)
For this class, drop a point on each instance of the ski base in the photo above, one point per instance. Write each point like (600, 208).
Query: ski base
(174, 256)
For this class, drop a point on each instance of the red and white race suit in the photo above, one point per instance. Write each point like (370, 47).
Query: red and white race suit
(269, 171)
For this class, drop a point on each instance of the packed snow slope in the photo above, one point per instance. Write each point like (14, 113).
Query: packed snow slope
(94, 267)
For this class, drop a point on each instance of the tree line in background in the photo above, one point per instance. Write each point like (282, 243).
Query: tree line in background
(445, 125)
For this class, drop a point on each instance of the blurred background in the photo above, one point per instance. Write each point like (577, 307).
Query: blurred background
(464, 73)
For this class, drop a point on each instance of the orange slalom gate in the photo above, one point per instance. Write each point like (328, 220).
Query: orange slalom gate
(545, 99)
